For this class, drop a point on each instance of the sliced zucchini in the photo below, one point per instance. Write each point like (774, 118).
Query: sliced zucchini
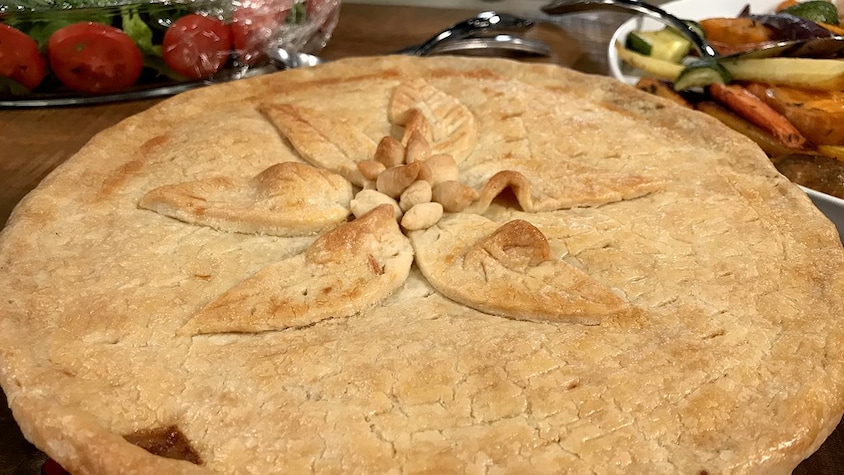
(636, 42)
(702, 72)
(655, 67)
(666, 44)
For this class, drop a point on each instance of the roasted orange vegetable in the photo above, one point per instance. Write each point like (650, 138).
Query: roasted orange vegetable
(835, 30)
(818, 115)
(766, 141)
(787, 3)
(752, 108)
(736, 31)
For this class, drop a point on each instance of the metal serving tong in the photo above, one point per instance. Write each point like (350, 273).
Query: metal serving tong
(482, 23)
(825, 47)
(498, 45)
(563, 7)
(485, 32)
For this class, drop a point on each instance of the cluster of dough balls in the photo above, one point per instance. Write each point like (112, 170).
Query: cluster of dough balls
(420, 185)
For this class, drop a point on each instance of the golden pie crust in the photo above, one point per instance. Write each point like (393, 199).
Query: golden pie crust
(681, 301)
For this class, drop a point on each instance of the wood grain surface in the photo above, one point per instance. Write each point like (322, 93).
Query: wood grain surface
(33, 142)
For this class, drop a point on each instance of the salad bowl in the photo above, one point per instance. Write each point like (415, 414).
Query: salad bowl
(93, 51)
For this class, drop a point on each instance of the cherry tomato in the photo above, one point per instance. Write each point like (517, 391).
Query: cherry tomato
(253, 25)
(93, 57)
(197, 46)
(19, 58)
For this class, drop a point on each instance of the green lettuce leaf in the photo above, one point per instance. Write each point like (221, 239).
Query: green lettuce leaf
(139, 31)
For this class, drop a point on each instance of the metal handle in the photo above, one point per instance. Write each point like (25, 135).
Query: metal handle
(483, 22)
(498, 44)
(562, 7)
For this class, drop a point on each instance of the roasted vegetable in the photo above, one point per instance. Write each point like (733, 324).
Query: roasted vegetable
(702, 72)
(819, 114)
(818, 74)
(664, 44)
(817, 11)
(793, 108)
(787, 3)
(832, 151)
(655, 67)
(755, 110)
(663, 90)
(732, 31)
(789, 27)
(766, 141)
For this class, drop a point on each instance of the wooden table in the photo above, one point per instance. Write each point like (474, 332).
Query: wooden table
(34, 141)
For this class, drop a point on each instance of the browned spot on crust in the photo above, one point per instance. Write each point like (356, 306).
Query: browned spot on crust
(475, 74)
(416, 122)
(517, 245)
(374, 266)
(168, 442)
(116, 179)
(350, 235)
(150, 145)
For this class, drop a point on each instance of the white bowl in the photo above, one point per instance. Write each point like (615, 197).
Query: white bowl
(831, 206)
(684, 9)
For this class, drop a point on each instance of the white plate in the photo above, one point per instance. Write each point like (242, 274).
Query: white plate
(831, 206)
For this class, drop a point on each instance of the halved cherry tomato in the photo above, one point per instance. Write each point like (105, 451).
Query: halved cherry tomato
(93, 57)
(197, 46)
(19, 58)
(253, 25)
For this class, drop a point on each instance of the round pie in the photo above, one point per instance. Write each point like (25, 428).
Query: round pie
(403, 265)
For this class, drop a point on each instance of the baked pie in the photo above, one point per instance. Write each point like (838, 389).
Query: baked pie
(404, 265)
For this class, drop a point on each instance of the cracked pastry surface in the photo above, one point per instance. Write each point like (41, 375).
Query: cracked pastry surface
(734, 365)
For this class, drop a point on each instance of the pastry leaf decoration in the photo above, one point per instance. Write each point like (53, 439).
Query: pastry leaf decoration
(504, 269)
(286, 199)
(571, 191)
(508, 270)
(343, 272)
(321, 141)
(454, 129)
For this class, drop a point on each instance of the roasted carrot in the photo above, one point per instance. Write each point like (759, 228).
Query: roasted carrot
(835, 30)
(819, 115)
(787, 3)
(766, 141)
(745, 104)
